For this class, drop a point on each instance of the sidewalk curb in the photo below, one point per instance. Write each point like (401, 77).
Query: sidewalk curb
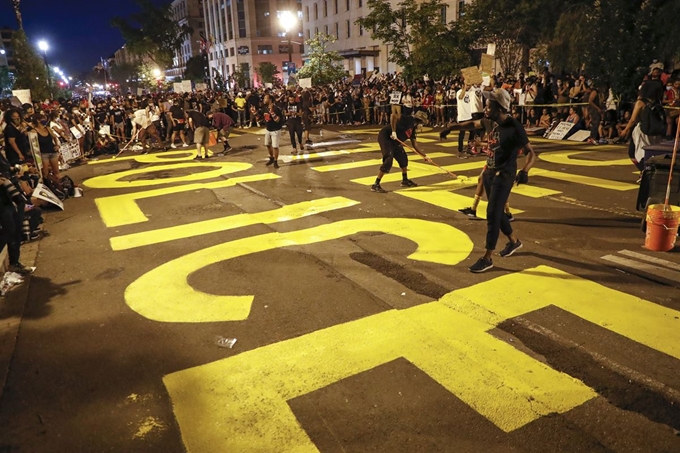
(12, 307)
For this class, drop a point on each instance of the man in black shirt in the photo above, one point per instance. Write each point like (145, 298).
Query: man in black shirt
(273, 118)
(17, 147)
(402, 128)
(178, 118)
(294, 122)
(505, 142)
(200, 125)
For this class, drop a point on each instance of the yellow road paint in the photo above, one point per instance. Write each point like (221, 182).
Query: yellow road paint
(585, 180)
(113, 181)
(164, 294)
(452, 201)
(534, 191)
(418, 170)
(447, 339)
(566, 158)
(172, 156)
(118, 210)
(283, 214)
(369, 163)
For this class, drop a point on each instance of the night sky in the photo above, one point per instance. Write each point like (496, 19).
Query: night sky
(79, 32)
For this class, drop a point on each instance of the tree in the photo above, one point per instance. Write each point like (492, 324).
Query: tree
(322, 64)
(6, 81)
(17, 13)
(240, 76)
(266, 71)
(31, 73)
(413, 30)
(195, 70)
(153, 33)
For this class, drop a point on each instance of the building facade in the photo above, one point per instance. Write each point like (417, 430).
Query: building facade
(187, 12)
(6, 49)
(362, 54)
(242, 34)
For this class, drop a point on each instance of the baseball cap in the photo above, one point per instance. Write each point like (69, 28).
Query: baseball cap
(420, 115)
(501, 96)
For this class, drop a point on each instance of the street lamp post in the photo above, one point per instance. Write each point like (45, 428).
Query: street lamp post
(42, 45)
(288, 22)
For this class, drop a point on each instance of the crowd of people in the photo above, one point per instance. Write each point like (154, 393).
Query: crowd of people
(178, 120)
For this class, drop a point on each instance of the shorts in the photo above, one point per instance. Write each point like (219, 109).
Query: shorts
(224, 133)
(271, 138)
(178, 127)
(119, 125)
(396, 108)
(391, 151)
(201, 135)
(51, 157)
(306, 121)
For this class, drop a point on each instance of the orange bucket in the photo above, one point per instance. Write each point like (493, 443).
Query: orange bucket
(212, 141)
(662, 227)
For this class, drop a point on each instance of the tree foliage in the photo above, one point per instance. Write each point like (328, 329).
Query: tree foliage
(31, 73)
(420, 41)
(195, 69)
(322, 64)
(266, 71)
(152, 33)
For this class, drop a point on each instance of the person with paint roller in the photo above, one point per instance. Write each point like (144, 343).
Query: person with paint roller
(505, 142)
(391, 140)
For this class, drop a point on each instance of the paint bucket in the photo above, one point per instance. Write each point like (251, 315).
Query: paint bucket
(662, 227)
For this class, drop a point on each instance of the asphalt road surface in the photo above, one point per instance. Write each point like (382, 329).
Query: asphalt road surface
(358, 326)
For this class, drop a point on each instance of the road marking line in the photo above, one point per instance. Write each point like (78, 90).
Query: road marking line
(565, 158)
(651, 259)
(282, 214)
(585, 180)
(448, 200)
(119, 210)
(645, 268)
(368, 163)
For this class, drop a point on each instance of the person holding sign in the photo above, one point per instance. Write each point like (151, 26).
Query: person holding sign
(49, 145)
(505, 142)
(402, 128)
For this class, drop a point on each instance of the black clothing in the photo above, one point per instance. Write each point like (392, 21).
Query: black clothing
(497, 185)
(198, 118)
(177, 113)
(268, 113)
(392, 149)
(21, 141)
(505, 141)
(46, 143)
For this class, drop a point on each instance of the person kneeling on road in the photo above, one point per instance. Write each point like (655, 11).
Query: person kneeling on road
(505, 142)
(390, 139)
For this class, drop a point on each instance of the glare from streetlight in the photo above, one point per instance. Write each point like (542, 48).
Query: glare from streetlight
(2, 51)
(57, 70)
(287, 20)
(42, 45)
(157, 73)
(70, 78)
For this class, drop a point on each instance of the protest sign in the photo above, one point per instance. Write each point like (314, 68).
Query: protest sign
(472, 75)
(43, 193)
(186, 86)
(177, 87)
(201, 87)
(70, 151)
(395, 97)
(560, 131)
(305, 83)
(491, 49)
(487, 63)
(23, 95)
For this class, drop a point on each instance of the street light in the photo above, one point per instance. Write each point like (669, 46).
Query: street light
(42, 45)
(157, 73)
(288, 22)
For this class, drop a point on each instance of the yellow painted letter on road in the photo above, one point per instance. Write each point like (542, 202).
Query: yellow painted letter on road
(565, 158)
(448, 339)
(166, 157)
(118, 210)
(113, 181)
(164, 294)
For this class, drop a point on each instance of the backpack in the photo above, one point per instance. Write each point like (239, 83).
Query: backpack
(69, 187)
(653, 119)
(56, 187)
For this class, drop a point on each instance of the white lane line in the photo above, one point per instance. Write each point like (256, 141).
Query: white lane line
(646, 270)
(651, 259)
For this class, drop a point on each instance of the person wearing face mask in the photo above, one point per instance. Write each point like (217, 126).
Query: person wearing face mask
(17, 147)
(671, 98)
(48, 142)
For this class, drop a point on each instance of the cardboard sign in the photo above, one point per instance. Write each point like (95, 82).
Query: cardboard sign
(269, 85)
(472, 75)
(201, 87)
(580, 136)
(105, 130)
(305, 83)
(70, 151)
(35, 150)
(487, 63)
(491, 49)
(186, 86)
(43, 193)
(140, 91)
(76, 132)
(177, 87)
(560, 131)
(395, 97)
(23, 95)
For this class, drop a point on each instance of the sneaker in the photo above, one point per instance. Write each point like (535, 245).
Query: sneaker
(197, 158)
(510, 217)
(408, 183)
(227, 149)
(481, 265)
(21, 269)
(377, 188)
(510, 248)
(276, 164)
(184, 145)
(309, 142)
(173, 146)
(469, 212)
(271, 161)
